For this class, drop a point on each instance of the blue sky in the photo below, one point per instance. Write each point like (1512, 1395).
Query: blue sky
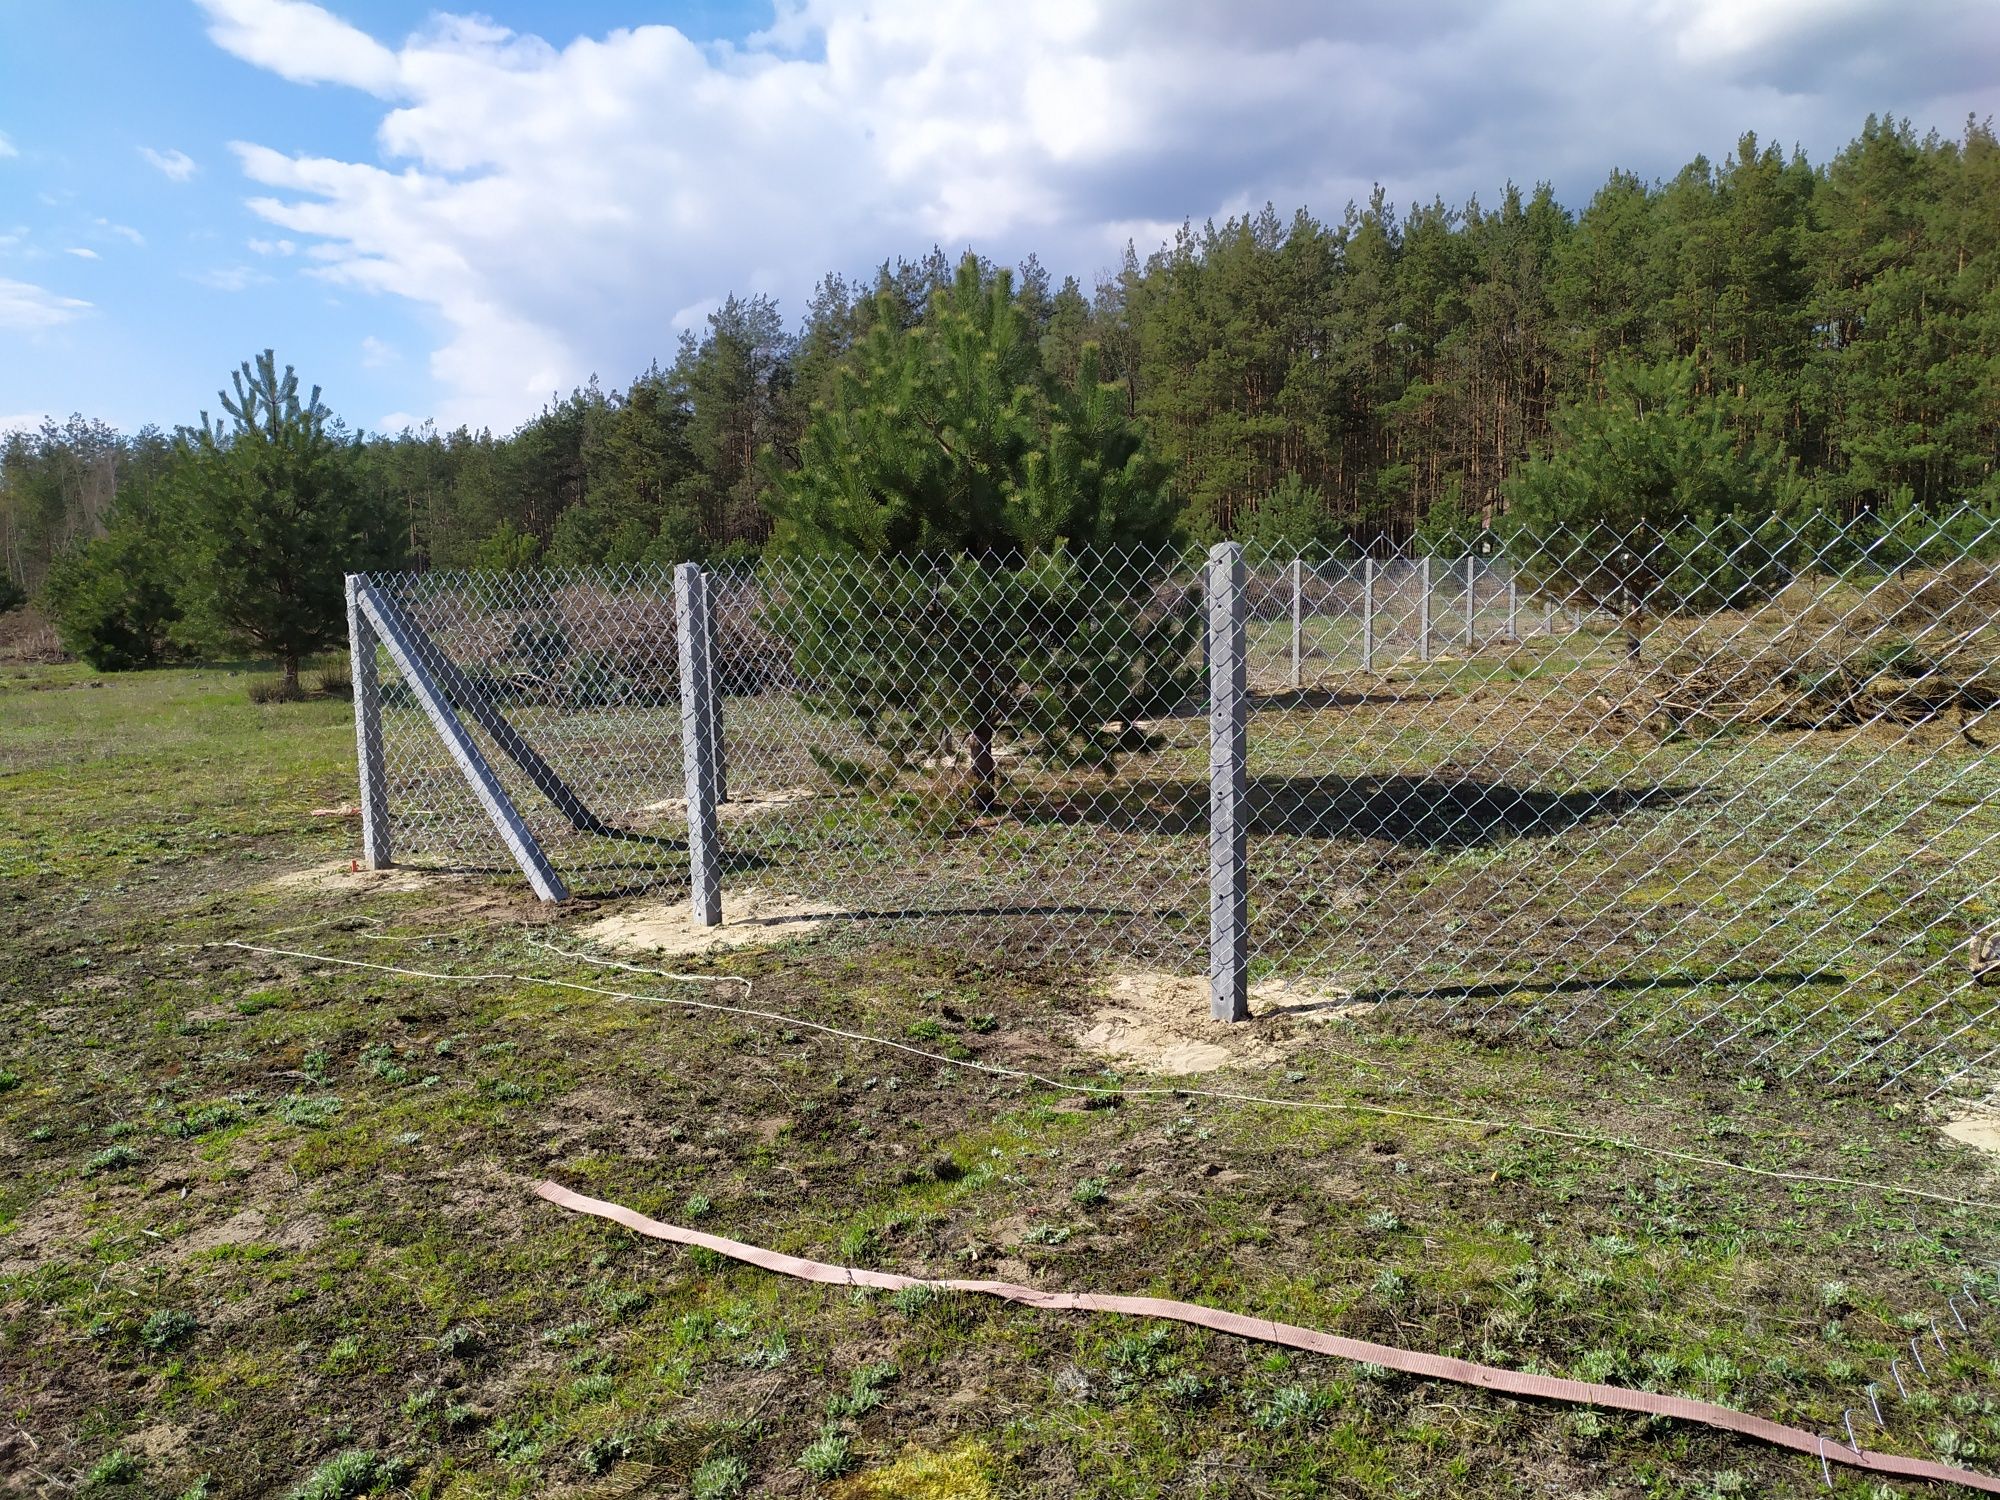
(452, 214)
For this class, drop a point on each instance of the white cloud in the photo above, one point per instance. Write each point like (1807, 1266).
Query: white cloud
(82, 254)
(26, 421)
(301, 42)
(375, 353)
(123, 231)
(7, 147)
(229, 278)
(271, 247)
(560, 208)
(27, 308)
(178, 166)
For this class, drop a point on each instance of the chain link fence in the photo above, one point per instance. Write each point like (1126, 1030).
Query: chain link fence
(1726, 789)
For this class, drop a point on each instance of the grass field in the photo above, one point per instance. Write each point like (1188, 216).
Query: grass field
(266, 1226)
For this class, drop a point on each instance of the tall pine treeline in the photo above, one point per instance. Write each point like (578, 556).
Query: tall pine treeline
(1355, 378)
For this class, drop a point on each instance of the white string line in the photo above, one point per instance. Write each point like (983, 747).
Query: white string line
(1000, 1070)
(1403, 1078)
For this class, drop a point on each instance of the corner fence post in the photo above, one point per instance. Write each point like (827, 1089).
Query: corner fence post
(1298, 620)
(1228, 787)
(376, 852)
(1367, 614)
(1424, 611)
(398, 636)
(693, 623)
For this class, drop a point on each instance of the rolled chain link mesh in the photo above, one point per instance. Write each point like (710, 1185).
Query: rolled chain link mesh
(1725, 790)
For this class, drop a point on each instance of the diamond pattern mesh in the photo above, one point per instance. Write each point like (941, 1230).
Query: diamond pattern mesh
(1728, 791)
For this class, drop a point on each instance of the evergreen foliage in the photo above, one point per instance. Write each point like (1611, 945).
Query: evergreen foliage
(1292, 521)
(268, 519)
(1378, 376)
(987, 484)
(113, 598)
(507, 550)
(1648, 497)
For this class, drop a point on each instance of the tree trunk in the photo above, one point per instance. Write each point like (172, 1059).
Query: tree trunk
(980, 745)
(291, 660)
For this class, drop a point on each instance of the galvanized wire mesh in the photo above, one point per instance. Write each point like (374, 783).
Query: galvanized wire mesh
(854, 771)
(1726, 789)
(1750, 810)
(582, 667)
(950, 743)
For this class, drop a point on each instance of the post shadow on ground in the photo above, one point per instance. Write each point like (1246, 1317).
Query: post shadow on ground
(1503, 989)
(1415, 811)
(1311, 700)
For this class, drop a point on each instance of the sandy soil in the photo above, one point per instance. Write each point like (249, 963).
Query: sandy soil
(750, 916)
(1161, 1022)
(738, 809)
(347, 875)
(1981, 1132)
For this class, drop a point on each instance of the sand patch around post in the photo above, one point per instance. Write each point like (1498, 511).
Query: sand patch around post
(1161, 1023)
(346, 875)
(1981, 1132)
(750, 917)
(741, 807)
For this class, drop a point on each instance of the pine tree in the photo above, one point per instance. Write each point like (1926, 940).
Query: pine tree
(269, 517)
(1641, 494)
(979, 537)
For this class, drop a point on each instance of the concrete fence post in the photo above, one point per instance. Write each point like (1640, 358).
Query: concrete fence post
(376, 850)
(1513, 607)
(1367, 614)
(717, 758)
(1298, 621)
(1228, 789)
(693, 624)
(1424, 611)
(407, 648)
(1471, 602)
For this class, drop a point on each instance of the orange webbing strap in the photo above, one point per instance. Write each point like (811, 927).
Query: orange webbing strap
(1426, 1366)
